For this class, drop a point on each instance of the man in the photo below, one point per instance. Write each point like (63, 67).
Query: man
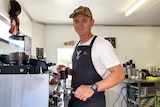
(92, 58)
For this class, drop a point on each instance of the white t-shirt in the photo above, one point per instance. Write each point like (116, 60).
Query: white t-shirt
(103, 55)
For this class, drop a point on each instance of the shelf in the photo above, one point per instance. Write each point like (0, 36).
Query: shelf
(141, 93)
(132, 101)
(147, 102)
(132, 86)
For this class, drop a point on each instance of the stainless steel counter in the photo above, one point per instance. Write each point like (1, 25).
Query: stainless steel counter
(24, 90)
(139, 91)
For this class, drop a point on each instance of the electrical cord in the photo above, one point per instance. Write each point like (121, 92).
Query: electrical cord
(119, 96)
(124, 96)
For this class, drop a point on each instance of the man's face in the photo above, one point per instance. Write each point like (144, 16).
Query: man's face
(82, 24)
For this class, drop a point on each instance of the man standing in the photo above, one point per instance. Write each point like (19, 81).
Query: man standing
(92, 58)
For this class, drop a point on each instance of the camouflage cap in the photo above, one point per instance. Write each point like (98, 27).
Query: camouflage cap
(82, 10)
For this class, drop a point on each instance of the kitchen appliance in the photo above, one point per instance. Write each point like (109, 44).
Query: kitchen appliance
(20, 49)
(19, 61)
(60, 93)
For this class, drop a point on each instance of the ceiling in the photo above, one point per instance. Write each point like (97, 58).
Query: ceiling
(105, 12)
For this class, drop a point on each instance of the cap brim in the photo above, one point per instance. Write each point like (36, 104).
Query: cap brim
(73, 14)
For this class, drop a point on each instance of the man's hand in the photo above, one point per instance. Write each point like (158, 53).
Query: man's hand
(84, 92)
(69, 70)
(59, 68)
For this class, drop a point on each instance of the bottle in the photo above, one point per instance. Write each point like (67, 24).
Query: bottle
(129, 70)
(63, 73)
(63, 76)
(134, 70)
(55, 100)
(125, 70)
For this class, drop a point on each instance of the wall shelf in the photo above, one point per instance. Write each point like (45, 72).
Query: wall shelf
(141, 93)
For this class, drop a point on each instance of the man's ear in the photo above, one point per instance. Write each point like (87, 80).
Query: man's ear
(92, 22)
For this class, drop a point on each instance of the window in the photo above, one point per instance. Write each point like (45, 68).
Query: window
(4, 28)
(64, 56)
(4, 37)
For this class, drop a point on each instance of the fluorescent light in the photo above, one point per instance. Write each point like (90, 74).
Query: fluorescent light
(134, 7)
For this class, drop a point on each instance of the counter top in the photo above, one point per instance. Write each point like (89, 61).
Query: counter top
(140, 81)
(24, 90)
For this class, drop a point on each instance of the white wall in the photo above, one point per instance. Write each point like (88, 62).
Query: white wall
(139, 43)
(56, 35)
(39, 37)
(25, 21)
(4, 6)
(4, 48)
(29, 27)
(25, 24)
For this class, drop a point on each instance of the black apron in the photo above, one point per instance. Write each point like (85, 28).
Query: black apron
(85, 73)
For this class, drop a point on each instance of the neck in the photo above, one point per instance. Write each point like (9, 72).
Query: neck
(84, 39)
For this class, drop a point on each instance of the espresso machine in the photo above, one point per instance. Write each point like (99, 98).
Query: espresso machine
(19, 60)
(60, 94)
